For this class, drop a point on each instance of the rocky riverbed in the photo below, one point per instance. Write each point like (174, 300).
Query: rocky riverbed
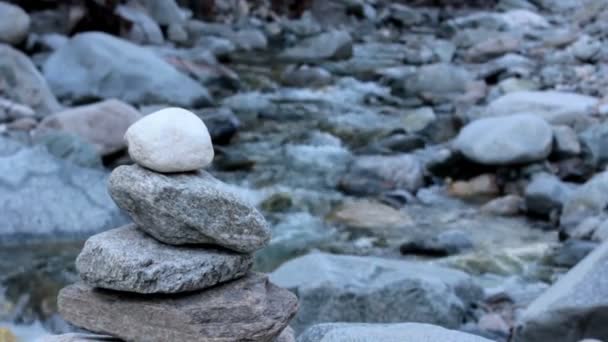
(418, 162)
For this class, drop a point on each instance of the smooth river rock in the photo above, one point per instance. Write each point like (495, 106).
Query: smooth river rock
(103, 124)
(248, 309)
(506, 140)
(554, 106)
(188, 208)
(14, 23)
(127, 259)
(170, 140)
(574, 308)
(97, 65)
(397, 332)
(343, 288)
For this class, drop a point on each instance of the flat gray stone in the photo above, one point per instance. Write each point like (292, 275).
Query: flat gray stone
(342, 288)
(506, 140)
(397, 332)
(574, 308)
(247, 309)
(98, 65)
(126, 259)
(188, 208)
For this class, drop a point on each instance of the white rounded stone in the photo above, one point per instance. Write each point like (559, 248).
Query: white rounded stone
(170, 140)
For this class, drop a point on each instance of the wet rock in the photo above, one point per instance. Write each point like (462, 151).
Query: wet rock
(14, 24)
(21, 83)
(586, 49)
(566, 141)
(293, 235)
(446, 243)
(24, 124)
(594, 140)
(395, 332)
(165, 12)
(177, 33)
(438, 81)
(117, 66)
(492, 48)
(223, 125)
(546, 194)
(170, 140)
(509, 205)
(572, 252)
(102, 124)
(370, 216)
(143, 30)
(306, 76)
(402, 171)
(219, 47)
(513, 139)
(477, 187)
(588, 200)
(31, 208)
(354, 289)
(418, 119)
(402, 15)
(573, 308)
(188, 208)
(250, 39)
(250, 308)
(70, 147)
(329, 45)
(126, 259)
(553, 106)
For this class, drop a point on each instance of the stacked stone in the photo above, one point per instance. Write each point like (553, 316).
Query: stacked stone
(181, 272)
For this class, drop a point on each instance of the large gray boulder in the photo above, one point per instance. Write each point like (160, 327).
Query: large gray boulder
(21, 82)
(126, 259)
(397, 332)
(43, 197)
(97, 65)
(506, 140)
(554, 106)
(328, 45)
(574, 308)
(340, 288)
(247, 309)
(590, 199)
(14, 23)
(188, 208)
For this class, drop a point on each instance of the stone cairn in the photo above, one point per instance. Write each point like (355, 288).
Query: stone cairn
(181, 272)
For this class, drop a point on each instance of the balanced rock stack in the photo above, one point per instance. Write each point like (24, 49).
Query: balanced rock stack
(182, 271)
